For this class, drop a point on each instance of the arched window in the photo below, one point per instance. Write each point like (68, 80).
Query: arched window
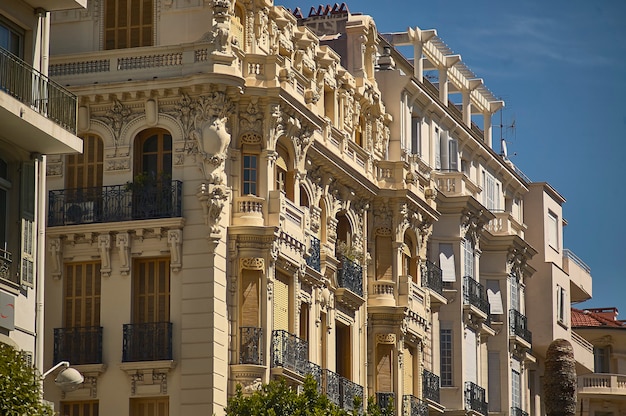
(153, 154)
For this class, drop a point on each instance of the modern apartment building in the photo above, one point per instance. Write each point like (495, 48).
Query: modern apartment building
(37, 118)
(264, 195)
(603, 392)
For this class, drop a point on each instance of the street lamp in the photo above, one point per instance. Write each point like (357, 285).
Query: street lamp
(68, 379)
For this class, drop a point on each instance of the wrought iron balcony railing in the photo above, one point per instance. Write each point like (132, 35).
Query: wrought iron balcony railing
(251, 345)
(313, 261)
(386, 400)
(432, 277)
(162, 199)
(475, 398)
(516, 411)
(412, 406)
(150, 341)
(34, 89)
(474, 294)
(5, 266)
(430, 386)
(289, 351)
(348, 391)
(81, 345)
(518, 326)
(331, 388)
(350, 276)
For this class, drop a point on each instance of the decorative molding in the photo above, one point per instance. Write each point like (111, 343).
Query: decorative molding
(174, 240)
(104, 246)
(385, 338)
(56, 250)
(148, 377)
(213, 199)
(116, 117)
(252, 263)
(122, 241)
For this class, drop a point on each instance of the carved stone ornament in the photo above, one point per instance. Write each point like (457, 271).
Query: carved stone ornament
(251, 119)
(252, 263)
(472, 224)
(104, 246)
(55, 249)
(116, 118)
(516, 261)
(385, 338)
(122, 241)
(220, 29)
(213, 199)
(175, 240)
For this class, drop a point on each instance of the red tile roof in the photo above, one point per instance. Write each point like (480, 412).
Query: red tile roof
(590, 317)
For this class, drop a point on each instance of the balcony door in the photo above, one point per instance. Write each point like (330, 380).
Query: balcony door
(152, 184)
(82, 295)
(83, 182)
(151, 291)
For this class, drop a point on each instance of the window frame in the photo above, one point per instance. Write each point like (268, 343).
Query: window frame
(446, 357)
(247, 184)
(552, 225)
(114, 34)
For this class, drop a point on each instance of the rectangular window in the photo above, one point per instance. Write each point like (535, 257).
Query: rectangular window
(468, 258)
(437, 140)
(151, 291)
(249, 174)
(446, 262)
(516, 389)
(79, 408)
(415, 135)
(491, 192)
(82, 294)
(453, 155)
(445, 340)
(157, 406)
(11, 38)
(561, 304)
(515, 297)
(553, 230)
(127, 23)
(601, 360)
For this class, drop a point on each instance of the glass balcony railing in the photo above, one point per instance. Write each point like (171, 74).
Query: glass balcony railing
(475, 398)
(518, 326)
(78, 345)
(150, 341)
(251, 345)
(431, 386)
(350, 276)
(34, 89)
(101, 204)
(474, 294)
(432, 277)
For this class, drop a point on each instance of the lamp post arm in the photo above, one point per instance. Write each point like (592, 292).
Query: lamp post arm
(62, 363)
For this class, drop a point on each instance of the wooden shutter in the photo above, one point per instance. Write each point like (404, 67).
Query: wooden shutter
(470, 356)
(79, 408)
(151, 291)
(281, 303)
(128, 23)
(158, 406)
(250, 313)
(85, 170)
(408, 371)
(82, 294)
(384, 252)
(384, 372)
(494, 381)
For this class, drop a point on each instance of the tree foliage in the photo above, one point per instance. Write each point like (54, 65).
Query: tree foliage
(278, 399)
(20, 386)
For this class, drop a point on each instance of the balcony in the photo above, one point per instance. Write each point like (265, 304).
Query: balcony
(150, 341)
(330, 386)
(412, 406)
(475, 398)
(248, 210)
(430, 386)
(474, 294)
(290, 352)
(313, 261)
(113, 203)
(385, 400)
(580, 276)
(81, 345)
(350, 276)
(505, 224)
(251, 345)
(518, 326)
(602, 384)
(348, 391)
(5, 267)
(432, 277)
(516, 411)
(36, 95)
(454, 183)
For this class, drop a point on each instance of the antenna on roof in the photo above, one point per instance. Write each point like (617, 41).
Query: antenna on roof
(504, 129)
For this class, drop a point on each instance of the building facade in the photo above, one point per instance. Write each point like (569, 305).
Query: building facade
(38, 118)
(602, 392)
(265, 195)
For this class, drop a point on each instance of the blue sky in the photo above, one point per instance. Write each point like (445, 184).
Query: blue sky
(560, 66)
